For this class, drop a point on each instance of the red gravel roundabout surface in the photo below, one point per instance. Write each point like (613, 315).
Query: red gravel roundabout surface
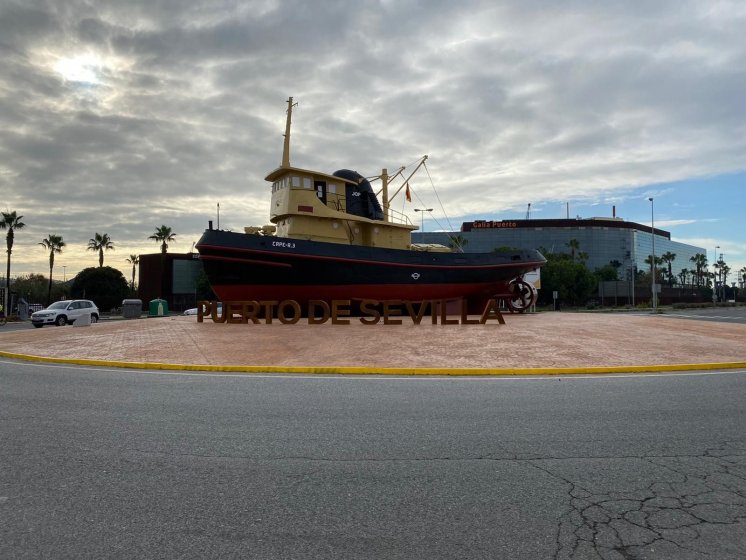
(543, 342)
(582, 342)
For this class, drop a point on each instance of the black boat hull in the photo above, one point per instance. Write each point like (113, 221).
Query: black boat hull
(244, 267)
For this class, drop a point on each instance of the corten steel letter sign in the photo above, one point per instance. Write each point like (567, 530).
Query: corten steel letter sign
(318, 312)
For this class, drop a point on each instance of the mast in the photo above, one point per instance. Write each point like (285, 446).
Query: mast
(286, 145)
(404, 184)
(385, 183)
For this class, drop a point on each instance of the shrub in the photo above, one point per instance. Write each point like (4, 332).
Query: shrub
(106, 286)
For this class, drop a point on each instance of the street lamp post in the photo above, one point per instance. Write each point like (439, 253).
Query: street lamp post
(723, 279)
(422, 216)
(652, 258)
(714, 277)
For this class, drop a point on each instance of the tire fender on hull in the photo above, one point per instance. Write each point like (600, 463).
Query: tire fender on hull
(522, 296)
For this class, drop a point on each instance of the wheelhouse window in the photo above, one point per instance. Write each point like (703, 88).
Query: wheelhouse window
(321, 190)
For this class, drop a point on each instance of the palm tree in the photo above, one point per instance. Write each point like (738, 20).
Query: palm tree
(54, 244)
(134, 260)
(684, 276)
(574, 245)
(668, 257)
(458, 242)
(658, 262)
(100, 243)
(163, 235)
(700, 262)
(719, 267)
(12, 222)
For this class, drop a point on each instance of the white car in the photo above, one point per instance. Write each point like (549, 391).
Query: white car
(193, 310)
(64, 312)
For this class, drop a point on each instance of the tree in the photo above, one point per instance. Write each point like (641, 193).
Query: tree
(607, 273)
(100, 243)
(700, 262)
(658, 262)
(163, 235)
(106, 286)
(202, 287)
(720, 277)
(53, 244)
(574, 245)
(10, 221)
(668, 257)
(684, 276)
(458, 242)
(33, 287)
(572, 280)
(134, 260)
(742, 272)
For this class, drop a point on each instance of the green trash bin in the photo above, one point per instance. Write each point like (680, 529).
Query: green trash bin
(158, 308)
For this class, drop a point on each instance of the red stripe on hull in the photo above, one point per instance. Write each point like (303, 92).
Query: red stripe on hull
(524, 265)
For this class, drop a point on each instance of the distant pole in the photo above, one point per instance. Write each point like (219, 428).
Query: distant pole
(652, 259)
(218, 215)
(722, 277)
(714, 278)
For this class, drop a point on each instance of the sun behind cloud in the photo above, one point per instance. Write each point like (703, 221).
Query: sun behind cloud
(84, 68)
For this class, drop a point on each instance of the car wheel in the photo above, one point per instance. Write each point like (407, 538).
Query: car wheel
(38, 326)
(94, 318)
(61, 320)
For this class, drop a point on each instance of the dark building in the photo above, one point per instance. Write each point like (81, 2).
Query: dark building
(169, 276)
(604, 240)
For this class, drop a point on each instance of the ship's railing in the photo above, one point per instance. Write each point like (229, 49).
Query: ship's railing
(398, 217)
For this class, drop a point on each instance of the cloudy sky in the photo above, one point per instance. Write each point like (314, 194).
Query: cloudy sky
(117, 117)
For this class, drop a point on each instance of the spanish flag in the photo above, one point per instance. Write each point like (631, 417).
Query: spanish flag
(408, 194)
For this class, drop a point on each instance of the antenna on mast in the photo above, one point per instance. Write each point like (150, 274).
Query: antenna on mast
(286, 146)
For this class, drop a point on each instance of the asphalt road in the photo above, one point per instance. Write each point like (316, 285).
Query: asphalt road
(108, 463)
(716, 314)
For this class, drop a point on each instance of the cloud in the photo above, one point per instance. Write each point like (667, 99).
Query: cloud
(515, 102)
(673, 223)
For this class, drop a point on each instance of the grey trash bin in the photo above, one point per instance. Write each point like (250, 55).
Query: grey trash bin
(131, 308)
(23, 310)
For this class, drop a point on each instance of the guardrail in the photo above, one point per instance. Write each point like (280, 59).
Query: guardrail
(398, 217)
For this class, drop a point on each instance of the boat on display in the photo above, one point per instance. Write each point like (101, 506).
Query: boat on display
(331, 239)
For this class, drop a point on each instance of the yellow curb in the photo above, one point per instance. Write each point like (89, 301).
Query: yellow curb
(341, 370)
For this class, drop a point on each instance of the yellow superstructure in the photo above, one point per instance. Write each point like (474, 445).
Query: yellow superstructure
(313, 206)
